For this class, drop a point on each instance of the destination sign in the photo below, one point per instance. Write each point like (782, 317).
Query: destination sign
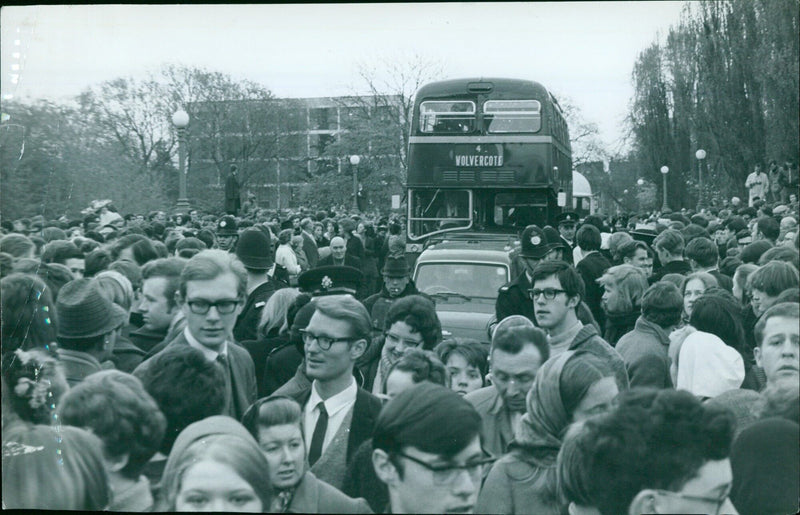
(478, 160)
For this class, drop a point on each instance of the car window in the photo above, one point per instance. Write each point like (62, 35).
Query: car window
(470, 279)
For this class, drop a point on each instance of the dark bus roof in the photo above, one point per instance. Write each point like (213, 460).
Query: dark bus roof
(514, 88)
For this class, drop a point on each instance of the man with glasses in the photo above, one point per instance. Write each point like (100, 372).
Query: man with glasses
(518, 350)
(427, 451)
(211, 292)
(557, 291)
(337, 415)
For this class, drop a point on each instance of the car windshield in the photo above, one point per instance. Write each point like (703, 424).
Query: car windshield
(471, 280)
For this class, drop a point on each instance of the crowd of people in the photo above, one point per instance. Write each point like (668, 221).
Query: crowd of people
(287, 363)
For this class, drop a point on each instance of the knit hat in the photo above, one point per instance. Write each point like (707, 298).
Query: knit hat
(83, 312)
(254, 249)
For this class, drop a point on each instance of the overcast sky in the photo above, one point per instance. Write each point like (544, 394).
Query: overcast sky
(584, 51)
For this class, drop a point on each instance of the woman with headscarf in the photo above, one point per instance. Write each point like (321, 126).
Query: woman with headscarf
(215, 465)
(707, 367)
(568, 388)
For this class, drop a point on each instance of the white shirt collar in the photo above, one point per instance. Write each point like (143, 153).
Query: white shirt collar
(211, 355)
(335, 403)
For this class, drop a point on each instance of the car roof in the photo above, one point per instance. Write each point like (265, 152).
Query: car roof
(469, 251)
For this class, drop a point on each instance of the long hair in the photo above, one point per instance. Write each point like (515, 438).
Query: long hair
(28, 313)
(54, 468)
(243, 456)
(631, 284)
(273, 316)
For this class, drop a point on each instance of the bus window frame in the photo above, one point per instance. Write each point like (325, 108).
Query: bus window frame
(490, 116)
(446, 116)
(410, 218)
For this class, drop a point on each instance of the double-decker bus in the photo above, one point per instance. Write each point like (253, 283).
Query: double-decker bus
(485, 156)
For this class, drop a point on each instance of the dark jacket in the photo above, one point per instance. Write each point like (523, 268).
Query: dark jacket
(260, 350)
(723, 280)
(591, 268)
(232, 199)
(362, 481)
(673, 267)
(126, 356)
(378, 304)
(348, 261)
(645, 352)
(281, 365)
(619, 324)
(365, 413)
(246, 327)
(146, 339)
(314, 495)
(310, 249)
(242, 373)
(513, 299)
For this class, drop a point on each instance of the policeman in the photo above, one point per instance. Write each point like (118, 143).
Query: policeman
(513, 298)
(330, 280)
(566, 227)
(227, 233)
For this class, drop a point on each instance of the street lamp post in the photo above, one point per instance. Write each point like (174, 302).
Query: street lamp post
(354, 160)
(700, 155)
(181, 120)
(664, 172)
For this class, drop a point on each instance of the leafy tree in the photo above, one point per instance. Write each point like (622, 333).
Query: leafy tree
(725, 80)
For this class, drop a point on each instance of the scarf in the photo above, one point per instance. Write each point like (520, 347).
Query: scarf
(385, 363)
(545, 419)
(282, 500)
(707, 366)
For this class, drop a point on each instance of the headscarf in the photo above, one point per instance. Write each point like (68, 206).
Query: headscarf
(765, 460)
(545, 418)
(707, 367)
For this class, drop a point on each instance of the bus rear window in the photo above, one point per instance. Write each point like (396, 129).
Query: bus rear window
(501, 116)
(447, 117)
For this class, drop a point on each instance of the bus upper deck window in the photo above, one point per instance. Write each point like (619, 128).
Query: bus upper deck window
(503, 116)
(447, 117)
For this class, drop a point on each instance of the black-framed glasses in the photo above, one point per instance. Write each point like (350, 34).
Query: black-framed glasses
(324, 342)
(717, 502)
(447, 474)
(549, 293)
(224, 306)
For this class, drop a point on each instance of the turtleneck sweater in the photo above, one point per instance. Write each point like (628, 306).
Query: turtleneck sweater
(561, 342)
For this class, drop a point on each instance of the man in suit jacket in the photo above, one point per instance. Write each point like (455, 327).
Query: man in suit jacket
(339, 256)
(211, 293)
(338, 415)
(309, 243)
